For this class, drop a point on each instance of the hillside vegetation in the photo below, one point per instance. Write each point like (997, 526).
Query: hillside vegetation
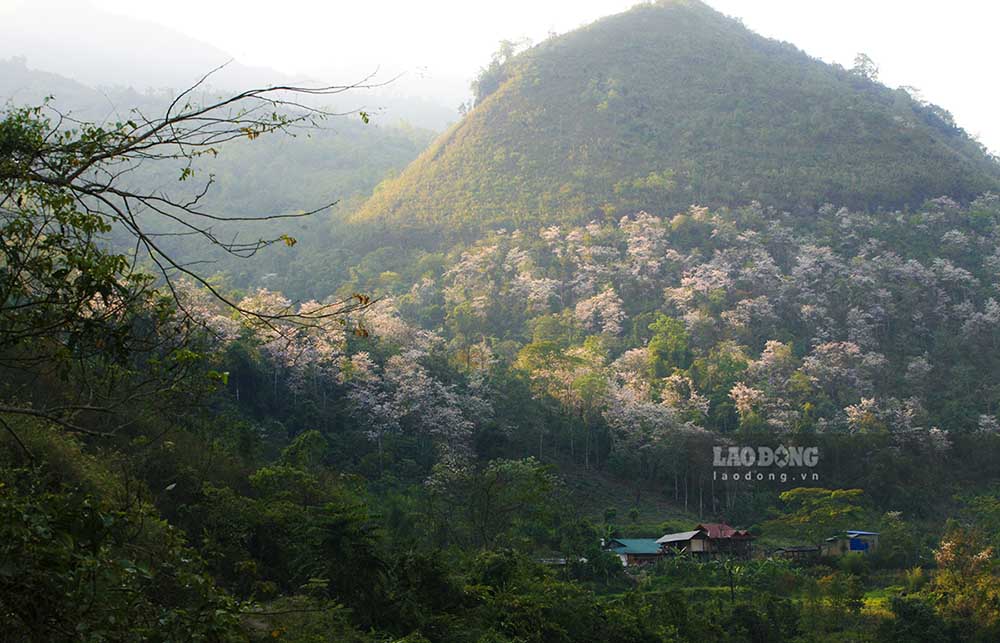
(672, 104)
(424, 425)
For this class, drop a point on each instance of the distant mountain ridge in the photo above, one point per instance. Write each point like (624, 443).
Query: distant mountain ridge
(117, 51)
(129, 57)
(671, 104)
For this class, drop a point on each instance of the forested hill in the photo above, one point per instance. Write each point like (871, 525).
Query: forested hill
(220, 423)
(671, 104)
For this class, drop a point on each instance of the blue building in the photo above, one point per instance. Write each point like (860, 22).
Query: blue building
(852, 540)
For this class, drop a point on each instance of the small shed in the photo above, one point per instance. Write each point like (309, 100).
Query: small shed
(852, 540)
(797, 552)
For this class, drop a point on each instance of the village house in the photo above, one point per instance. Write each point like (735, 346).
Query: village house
(711, 540)
(705, 540)
(685, 542)
(725, 540)
(635, 551)
(852, 540)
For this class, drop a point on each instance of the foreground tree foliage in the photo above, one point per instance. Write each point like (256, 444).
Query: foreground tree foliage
(86, 558)
(67, 301)
(93, 341)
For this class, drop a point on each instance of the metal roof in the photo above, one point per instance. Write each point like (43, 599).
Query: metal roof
(634, 546)
(851, 533)
(720, 531)
(678, 537)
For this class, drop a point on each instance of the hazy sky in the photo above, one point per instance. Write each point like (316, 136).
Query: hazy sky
(947, 50)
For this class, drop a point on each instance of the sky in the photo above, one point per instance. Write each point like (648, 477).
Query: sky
(949, 51)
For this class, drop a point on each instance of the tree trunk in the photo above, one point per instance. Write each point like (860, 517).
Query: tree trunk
(701, 499)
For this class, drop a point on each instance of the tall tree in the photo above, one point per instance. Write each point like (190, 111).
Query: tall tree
(70, 304)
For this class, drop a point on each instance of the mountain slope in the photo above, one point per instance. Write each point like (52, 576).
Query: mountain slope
(671, 104)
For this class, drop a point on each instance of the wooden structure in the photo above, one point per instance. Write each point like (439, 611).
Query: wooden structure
(705, 540)
(708, 539)
(684, 542)
(797, 552)
(724, 540)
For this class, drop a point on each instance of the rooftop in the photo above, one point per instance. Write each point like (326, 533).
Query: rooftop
(634, 546)
(679, 537)
(720, 530)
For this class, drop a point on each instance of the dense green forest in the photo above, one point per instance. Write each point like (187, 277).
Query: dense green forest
(422, 416)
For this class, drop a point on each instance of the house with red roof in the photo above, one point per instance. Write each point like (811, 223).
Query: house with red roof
(710, 539)
(726, 540)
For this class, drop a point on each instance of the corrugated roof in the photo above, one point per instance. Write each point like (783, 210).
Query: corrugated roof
(720, 530)
(634, 546)
(678, 537)
(852, 533)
